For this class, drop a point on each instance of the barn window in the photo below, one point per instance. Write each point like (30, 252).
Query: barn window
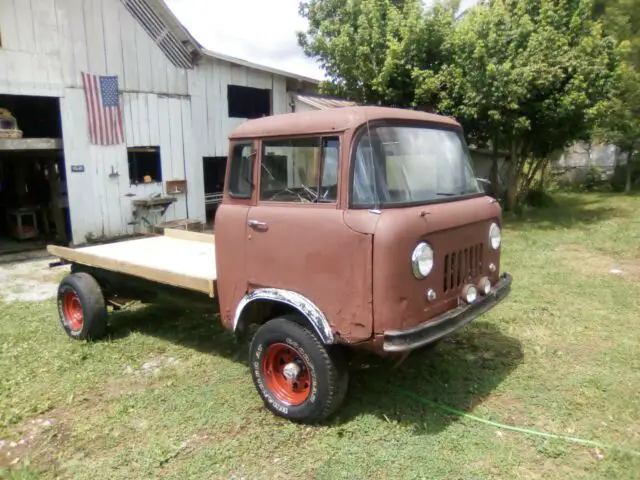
(247, 102)
(144, 165)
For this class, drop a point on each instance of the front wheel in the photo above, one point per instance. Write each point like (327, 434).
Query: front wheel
(297, 377)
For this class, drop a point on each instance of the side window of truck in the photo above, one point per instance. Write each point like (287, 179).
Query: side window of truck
(301, 170)
(241, 170)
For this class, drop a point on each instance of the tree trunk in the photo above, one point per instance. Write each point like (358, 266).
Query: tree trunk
(627, 185)
(512, 178)
(528, 178)
(543, 174)
(495, 180)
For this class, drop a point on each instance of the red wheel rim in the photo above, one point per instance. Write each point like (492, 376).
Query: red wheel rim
(72, 309)
(286, 374)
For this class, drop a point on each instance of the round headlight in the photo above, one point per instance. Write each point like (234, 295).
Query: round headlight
(422, 260)
(495, 236)
(470, 294)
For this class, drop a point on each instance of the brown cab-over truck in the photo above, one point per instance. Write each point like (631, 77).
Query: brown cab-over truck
(360, 227)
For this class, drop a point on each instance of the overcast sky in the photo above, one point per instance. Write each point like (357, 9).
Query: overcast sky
(260, 31)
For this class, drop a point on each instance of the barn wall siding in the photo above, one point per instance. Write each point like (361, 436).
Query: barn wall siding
(101, 201)
(30, 61)
(101, 37)
(208, 89)
(94, 197)
(46, 44)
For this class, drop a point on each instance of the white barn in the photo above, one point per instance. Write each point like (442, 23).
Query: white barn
(178, 103)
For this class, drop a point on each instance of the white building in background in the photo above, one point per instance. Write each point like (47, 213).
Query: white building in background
(178, 103)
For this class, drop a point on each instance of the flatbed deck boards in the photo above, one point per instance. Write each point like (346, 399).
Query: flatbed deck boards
(179, 258)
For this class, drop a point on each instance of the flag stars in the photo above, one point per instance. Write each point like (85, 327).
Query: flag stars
(109, 89)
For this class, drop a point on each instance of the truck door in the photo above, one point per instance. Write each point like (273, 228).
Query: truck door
(297, 239)
(230, 228)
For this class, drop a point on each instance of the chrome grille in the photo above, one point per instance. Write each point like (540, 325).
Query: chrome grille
(461, 265)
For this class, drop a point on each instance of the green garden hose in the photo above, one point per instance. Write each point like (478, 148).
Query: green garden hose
(526, 431)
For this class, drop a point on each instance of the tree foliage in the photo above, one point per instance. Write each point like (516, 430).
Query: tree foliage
(621, 18)
(519, 75)
(617, 116)
(523, 74)
(369, 49)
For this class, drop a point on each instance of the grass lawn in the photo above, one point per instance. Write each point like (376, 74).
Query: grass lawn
(169, 395)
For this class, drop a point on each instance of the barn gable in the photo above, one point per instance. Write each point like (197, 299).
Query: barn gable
(46, 44)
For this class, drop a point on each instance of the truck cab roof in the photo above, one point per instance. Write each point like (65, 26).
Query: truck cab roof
(332, 120)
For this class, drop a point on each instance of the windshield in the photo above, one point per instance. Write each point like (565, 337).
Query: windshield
(397, 164)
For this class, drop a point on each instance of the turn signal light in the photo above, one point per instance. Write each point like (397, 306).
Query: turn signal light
(484, 285)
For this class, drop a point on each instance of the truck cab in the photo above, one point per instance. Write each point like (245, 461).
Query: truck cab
(365, 226)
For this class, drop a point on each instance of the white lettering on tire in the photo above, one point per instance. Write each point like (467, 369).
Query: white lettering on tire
(312, 369)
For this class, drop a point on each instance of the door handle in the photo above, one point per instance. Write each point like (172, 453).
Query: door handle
(257, 224)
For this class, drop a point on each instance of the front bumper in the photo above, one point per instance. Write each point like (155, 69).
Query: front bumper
(443, 325)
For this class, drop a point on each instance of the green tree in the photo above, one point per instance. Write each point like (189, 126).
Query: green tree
(621, 18)
(520, 75)
(369, 49)
(617, 117)
(524, 74)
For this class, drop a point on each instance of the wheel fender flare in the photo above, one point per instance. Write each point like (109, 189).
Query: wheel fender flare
(306, 307)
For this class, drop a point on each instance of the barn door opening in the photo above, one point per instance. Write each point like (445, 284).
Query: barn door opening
(214, 169)
(34, 209)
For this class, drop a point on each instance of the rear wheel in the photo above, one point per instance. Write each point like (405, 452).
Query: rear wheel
(81, 307)
(297, 377)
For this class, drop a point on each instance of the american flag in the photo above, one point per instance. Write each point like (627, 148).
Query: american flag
(103, 109)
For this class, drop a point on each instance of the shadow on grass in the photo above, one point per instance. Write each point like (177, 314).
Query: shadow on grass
(460, 372)
(197, 329)
(566, 211)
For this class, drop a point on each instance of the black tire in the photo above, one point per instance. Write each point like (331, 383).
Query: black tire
(327, 370)
(82, 291)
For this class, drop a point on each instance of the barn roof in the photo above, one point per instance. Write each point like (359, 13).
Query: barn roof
(257, 66)
(166, 31)
(173, 38)
(322, 102)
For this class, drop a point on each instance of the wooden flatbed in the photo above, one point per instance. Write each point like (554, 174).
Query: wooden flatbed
(179, 258)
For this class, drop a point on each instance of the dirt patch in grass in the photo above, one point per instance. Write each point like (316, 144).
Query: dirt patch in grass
(41, 440)
(39, 437)
(595, 263)
(29, 281)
